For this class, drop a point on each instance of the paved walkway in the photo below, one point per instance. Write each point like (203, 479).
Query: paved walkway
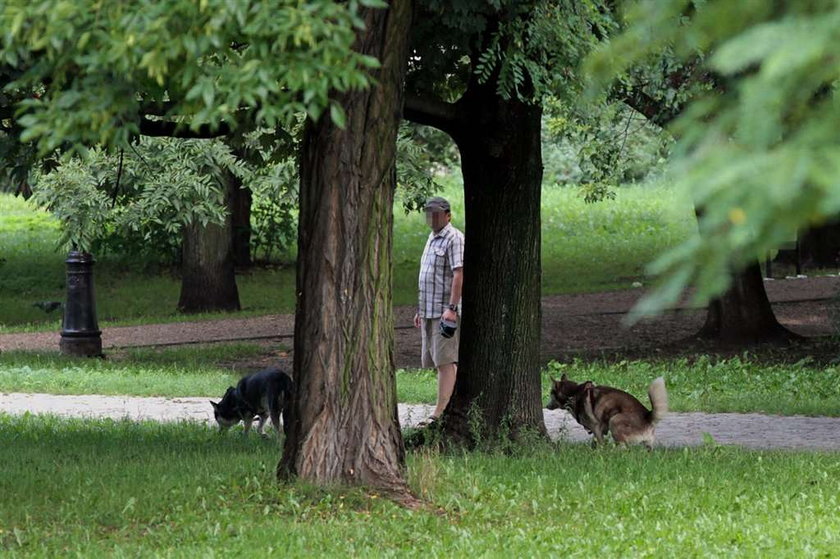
(677, 429)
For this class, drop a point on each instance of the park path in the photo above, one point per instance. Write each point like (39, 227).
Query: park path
(755, 431)
(584, 321)
(581, 322)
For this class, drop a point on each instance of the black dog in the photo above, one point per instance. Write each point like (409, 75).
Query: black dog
(263, 394)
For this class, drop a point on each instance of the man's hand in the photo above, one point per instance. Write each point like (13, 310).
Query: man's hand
(417, 320)
(450, 315)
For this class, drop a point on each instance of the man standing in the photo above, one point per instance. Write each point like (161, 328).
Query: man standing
(441, 279)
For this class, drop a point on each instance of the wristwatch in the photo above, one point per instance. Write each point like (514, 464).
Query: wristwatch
(452, 307)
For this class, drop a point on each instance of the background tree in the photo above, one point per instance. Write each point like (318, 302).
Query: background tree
(145, 202)
(755, 151)
(96, 75)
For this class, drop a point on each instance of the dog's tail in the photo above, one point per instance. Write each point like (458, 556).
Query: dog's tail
(658, 399)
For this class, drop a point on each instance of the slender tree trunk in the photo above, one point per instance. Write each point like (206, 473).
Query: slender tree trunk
(743, 314)
(241, 224)
(498, 378)
(346, 428)
(208, 282)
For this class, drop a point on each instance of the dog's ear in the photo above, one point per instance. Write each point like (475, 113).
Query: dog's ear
(564, 377)
(214, 404)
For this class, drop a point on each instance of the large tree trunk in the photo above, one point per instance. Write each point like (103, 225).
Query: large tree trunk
(346, 428)
(208, 282)
(743, 314)
(499, 369)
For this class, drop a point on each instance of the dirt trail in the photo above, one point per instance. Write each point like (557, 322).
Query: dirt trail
(571, 323)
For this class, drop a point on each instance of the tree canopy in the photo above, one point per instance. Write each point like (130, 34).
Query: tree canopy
(95, 72)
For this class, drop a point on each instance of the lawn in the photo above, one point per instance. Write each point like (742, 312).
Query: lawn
(586, 247)
(122, 489)
(739, 384)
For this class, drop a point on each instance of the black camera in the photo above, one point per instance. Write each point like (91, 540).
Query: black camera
(447, 328)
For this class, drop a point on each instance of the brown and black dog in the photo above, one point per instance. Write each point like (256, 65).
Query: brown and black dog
(603, 409)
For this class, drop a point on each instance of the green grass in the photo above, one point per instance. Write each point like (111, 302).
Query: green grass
(118, 489)
(586, 247)
(720, 385)
(172, 372)
(608, 244)
(741, 384)
(168, 372)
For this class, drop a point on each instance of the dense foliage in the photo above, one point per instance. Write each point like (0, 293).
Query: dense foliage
(101, 73)
(136, 201)
(759, 150)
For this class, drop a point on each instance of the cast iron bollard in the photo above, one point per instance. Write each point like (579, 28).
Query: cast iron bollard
(80, 334)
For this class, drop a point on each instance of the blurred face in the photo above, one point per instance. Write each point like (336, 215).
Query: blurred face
(437, 220)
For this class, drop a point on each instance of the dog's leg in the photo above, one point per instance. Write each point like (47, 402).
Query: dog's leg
(275, 421)
(261, 425)
(597, 436)
(248, 423)
(281, 406)
(587, 415)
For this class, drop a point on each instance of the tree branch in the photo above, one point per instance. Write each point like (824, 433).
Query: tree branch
(431, 112)
(654, 110)
(179, 130)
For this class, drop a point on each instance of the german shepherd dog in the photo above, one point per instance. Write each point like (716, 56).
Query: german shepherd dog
(263, 394)
(603, 409)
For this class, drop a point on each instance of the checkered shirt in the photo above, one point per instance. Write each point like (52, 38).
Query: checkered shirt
(444, 253)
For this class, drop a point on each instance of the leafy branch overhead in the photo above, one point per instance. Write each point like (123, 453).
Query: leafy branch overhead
(98, 72)
(759, 151)
(143, 196)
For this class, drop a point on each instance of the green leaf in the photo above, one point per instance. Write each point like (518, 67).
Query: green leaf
(337, 115)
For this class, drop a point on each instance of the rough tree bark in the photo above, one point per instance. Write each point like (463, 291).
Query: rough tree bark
(346, 428)
(208, 282)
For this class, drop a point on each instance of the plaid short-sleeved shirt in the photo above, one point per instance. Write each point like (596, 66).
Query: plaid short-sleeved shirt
(444, 253)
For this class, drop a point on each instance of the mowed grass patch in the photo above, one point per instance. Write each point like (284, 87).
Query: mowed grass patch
(586, 247)
(170, 372)
(30, 268)
(106, 488)
(204, 370)
(608, 244)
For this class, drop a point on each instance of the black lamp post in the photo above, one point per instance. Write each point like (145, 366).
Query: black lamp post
(80, 334)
